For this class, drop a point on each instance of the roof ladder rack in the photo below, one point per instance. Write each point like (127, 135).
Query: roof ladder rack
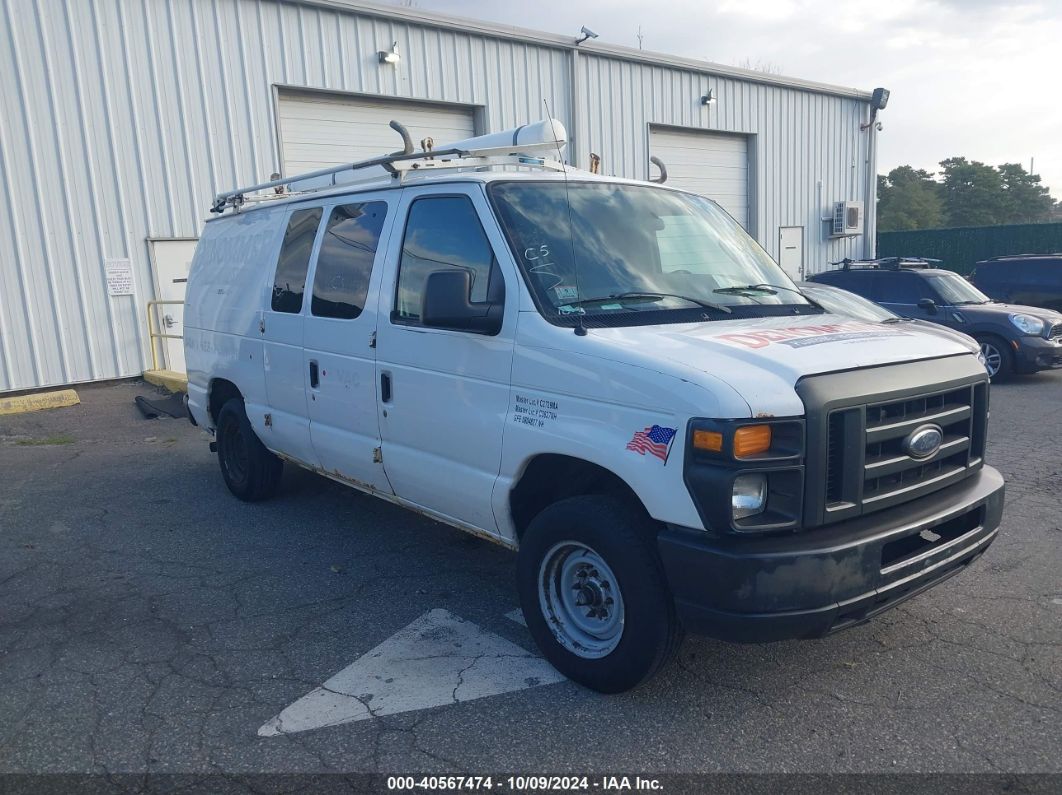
(481, 152)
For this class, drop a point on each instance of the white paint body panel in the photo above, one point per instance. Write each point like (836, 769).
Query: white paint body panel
(469, 412)
(344, 427)
(442, 429)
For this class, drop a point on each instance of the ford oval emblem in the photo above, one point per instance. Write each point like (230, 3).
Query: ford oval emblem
(923, 441)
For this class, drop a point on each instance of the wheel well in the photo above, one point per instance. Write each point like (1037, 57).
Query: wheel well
(221, 392)
(991, 336)
(550, 478)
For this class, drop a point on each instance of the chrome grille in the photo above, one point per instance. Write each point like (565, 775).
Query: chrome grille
(1056, 332)
(889, 474)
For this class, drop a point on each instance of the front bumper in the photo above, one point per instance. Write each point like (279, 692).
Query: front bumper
(1036, 353)
(825, 579)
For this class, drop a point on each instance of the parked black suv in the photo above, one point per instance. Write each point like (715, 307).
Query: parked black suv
(1030, 279)
(1013, 338)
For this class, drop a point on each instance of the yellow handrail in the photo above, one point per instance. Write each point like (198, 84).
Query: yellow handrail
(158, 335)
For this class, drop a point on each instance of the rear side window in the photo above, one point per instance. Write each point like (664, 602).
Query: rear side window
(289, 283)
(899, 288)
(441, 233)
(344, 262)
(857, 282)
(983, 273)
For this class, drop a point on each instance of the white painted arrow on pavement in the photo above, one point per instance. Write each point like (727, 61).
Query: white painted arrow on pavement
(438, 659)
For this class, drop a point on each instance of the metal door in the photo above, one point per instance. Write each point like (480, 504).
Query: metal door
(171, 259)
(339, 341)
(443, 394)
(710, 164)
(791, 251)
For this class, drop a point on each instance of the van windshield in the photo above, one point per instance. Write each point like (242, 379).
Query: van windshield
(613, 254)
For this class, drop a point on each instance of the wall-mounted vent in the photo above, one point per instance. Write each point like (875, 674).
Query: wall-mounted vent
(847, 219)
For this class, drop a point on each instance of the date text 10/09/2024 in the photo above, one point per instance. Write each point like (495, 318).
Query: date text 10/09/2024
(524, 783)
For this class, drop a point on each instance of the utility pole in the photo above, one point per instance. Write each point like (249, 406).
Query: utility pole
(639, 37)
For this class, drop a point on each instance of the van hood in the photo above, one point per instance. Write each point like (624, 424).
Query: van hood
(763, 359)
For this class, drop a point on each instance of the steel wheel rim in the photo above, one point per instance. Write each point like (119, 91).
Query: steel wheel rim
(993, 358)
(235, 458)
(581, 600)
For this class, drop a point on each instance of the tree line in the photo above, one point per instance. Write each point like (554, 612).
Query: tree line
(963, 193)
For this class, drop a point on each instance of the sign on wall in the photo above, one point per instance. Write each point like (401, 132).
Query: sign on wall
(119, 277)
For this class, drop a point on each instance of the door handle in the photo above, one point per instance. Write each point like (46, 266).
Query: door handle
(315, 379)
(385, 387)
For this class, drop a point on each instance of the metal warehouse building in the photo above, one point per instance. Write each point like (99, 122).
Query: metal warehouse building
(122, 118)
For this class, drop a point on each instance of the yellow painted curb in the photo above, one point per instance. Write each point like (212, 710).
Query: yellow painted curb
(169, 379)
(40, 401)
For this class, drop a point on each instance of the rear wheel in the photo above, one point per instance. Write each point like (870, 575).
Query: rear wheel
(998, 358)
(250, 471)
(594, 595)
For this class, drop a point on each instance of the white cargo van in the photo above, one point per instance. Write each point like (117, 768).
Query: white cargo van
(610, 377)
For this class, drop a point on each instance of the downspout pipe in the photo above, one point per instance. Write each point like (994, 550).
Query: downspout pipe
(878, 100)
(575, 141)
(870, 196)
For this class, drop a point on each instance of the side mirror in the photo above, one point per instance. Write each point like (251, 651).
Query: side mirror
(447, 305)
(928, 304)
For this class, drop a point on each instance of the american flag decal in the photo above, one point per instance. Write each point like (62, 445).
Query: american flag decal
(654, 440)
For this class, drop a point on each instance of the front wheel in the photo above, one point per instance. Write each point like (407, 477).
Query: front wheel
(998, 359)
(593, 593)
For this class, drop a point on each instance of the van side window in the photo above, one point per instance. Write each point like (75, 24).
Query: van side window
(289, 283)
(344, 262)
(442, 232)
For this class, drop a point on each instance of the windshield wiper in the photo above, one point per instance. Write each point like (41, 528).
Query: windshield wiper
(601, 299)
(770, 289)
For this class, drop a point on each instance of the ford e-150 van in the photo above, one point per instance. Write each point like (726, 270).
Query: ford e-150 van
(609, 377)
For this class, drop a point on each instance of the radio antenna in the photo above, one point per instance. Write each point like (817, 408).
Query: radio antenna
(580, 330)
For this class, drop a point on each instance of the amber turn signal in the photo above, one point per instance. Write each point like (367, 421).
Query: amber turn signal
(711, 441)
(752, 440)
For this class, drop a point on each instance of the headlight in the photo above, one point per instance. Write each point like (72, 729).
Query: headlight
(1027, 324)
(750, 495)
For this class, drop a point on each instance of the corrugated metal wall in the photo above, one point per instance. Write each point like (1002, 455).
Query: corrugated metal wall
(805, 148)
(122, 118)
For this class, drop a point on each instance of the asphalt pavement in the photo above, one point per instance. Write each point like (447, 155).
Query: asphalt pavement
(150, 622)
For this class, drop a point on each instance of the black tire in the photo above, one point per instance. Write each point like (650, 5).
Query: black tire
(999, 346)
(251, 472)
(624, 538)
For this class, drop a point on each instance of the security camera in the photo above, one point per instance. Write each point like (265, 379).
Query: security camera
(587, 34)
(391, 57)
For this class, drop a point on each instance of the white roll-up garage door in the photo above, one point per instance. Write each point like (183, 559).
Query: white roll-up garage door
(323, 130)
(712, 164)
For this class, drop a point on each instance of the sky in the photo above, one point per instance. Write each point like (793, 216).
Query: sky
(973, 78)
